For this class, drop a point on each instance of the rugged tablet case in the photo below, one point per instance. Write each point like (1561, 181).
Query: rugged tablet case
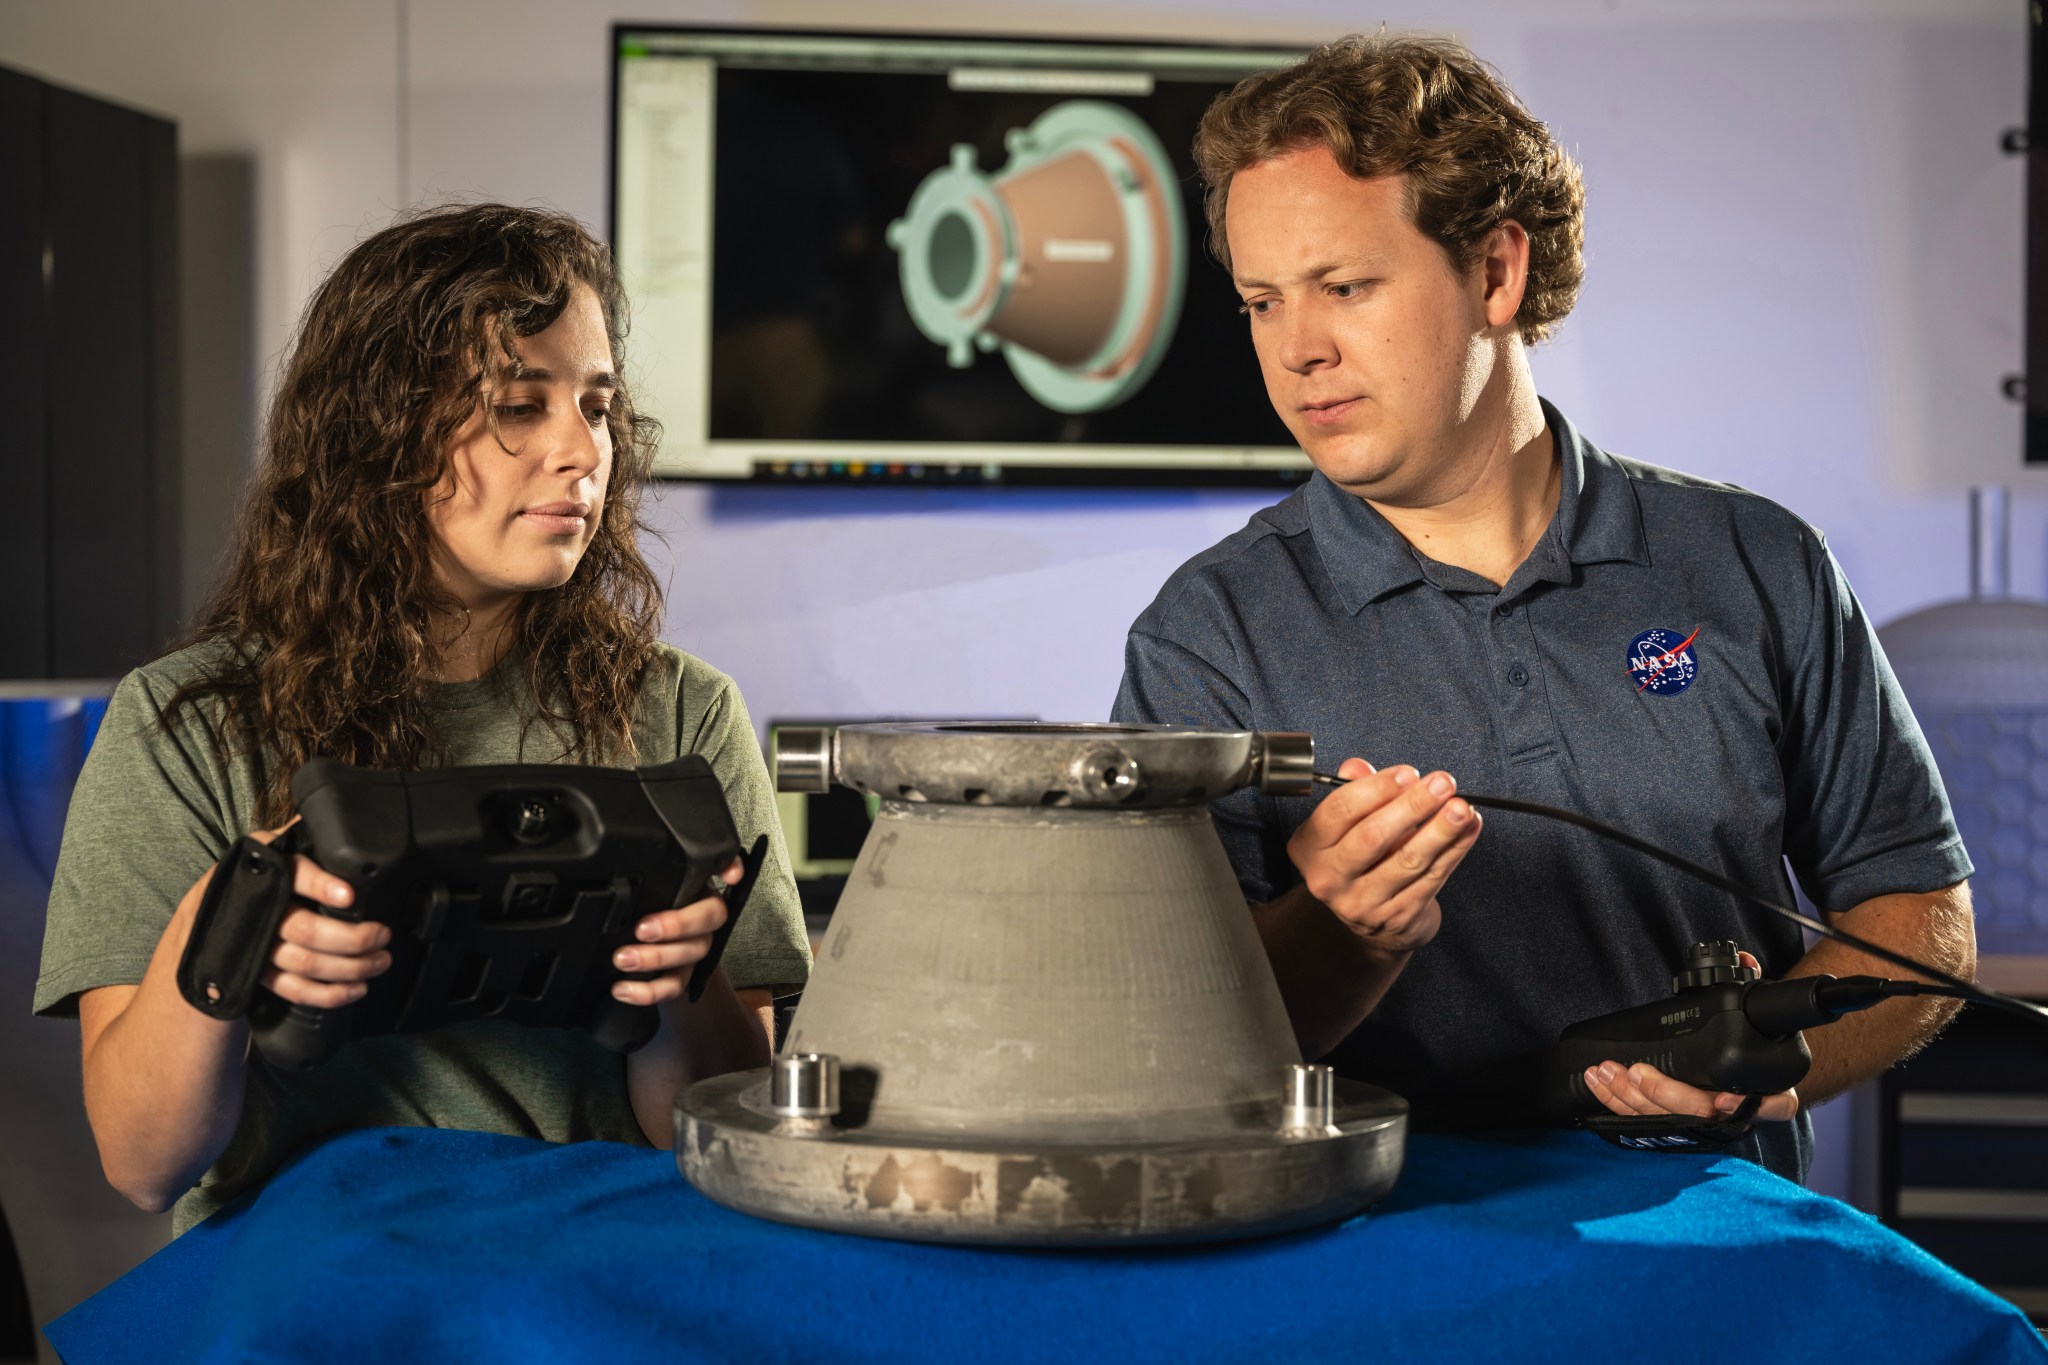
(507, 889)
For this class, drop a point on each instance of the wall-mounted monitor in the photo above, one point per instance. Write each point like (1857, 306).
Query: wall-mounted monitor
(891, 258)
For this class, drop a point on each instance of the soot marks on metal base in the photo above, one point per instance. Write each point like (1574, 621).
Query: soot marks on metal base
(919, 1184)
(1199, 1189)
(1061, 1190)
(715, 1153)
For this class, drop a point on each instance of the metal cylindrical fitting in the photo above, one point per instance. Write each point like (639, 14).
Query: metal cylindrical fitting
(1309, 1103)
(804, 1085)
(1285, 764)
(803, 758)
(1107, 772)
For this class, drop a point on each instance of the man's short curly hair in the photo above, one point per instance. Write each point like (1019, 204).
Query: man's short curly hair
(1425, 108)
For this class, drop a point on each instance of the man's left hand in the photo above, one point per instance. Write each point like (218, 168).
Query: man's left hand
(1643, 1089)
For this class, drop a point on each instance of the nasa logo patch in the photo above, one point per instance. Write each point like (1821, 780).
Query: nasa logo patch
(1663, 661)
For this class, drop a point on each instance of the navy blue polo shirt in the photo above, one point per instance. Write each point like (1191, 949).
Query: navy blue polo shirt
(1679, 658)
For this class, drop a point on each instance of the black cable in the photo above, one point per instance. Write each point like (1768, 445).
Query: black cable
(1955, 985)
(1854, 992)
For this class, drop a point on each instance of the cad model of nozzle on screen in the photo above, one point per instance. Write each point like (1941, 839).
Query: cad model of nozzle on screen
(1071, 260)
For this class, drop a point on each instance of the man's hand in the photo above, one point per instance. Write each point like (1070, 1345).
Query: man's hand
(1643, 1089)
(672, 942)
(1378, 850)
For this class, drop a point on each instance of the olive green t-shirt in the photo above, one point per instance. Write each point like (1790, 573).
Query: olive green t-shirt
(153, 809)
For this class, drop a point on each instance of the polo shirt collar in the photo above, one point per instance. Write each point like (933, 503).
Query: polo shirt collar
(1598, 520)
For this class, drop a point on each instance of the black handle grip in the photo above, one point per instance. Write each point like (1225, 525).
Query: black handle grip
(295, 1037)
(221, 971)
(735, 901)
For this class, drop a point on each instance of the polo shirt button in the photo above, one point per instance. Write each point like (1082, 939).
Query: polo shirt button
(1518, 675)
(1505, 609)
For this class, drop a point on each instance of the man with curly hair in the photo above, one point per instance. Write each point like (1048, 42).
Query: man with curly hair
(1468, 585)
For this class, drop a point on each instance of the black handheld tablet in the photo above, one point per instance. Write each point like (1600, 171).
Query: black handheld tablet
(507, 890)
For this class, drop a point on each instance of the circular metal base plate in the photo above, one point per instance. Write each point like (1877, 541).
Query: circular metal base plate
(976, 1188)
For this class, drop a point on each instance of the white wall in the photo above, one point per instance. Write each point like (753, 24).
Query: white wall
(1804, 249)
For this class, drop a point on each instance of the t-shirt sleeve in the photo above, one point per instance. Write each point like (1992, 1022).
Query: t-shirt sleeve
(144, 823)
(1170, 683)
(769, 947)
(1866, 814)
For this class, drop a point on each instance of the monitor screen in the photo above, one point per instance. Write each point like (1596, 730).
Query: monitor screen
(877, 258)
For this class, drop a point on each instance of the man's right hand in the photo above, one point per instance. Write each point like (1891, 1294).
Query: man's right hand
(1377, 851)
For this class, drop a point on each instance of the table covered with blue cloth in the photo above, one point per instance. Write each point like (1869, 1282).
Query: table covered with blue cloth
(425, 1245)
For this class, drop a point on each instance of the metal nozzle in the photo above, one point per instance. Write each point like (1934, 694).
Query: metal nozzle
(1106, 772)
(803, 758)
(804, 1085)
(1284, 762)
(1309, 1104)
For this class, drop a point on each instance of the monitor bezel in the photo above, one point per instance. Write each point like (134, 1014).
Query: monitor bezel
(1032, 475)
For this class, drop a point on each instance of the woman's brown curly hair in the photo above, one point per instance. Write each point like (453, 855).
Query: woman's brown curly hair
(328, 599)
(1426, 108)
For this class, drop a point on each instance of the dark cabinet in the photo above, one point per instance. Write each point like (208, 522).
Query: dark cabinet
(1963, 1153)
(88, 383)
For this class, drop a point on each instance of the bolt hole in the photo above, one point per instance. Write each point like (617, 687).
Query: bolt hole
(1056, 798)
(909, 793)
(978, 796)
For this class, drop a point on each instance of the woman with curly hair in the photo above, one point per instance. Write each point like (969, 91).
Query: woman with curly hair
(435, 564)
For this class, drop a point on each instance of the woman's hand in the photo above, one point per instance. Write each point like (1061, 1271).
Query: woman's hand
(317, 960)
(672, 943)
(164, 1081)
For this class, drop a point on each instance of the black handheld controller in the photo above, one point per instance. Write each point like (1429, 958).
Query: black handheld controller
(1721, 1029)
(506, 889)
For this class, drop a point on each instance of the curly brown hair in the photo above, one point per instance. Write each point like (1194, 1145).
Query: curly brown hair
(328, 597)
(1422, 107)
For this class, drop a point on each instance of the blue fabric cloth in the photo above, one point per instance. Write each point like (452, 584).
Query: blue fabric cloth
(1775, 732)
(396, 1245)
